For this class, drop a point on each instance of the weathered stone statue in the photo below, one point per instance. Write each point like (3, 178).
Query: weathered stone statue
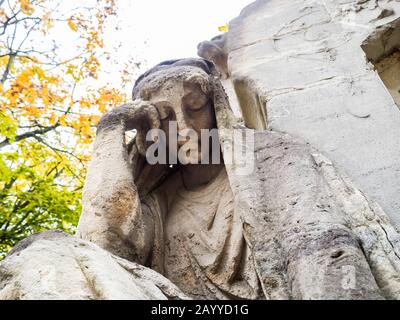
(291, 228)
(180, 221)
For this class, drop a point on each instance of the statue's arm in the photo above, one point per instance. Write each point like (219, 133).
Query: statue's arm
(111, 215)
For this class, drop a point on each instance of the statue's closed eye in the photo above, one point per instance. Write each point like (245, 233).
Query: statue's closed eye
(194, 101)
(164, 110)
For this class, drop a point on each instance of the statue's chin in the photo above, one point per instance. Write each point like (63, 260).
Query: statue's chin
(191, 157)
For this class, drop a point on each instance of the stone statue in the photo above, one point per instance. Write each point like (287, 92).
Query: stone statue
(291, 228)
(179, 221)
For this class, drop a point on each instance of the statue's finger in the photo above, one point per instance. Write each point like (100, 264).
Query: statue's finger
(153, 117)
(141, 143)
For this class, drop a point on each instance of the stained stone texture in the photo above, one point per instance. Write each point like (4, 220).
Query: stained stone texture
(389, 70)
(53, 265)
(299, 67)
(233, 101)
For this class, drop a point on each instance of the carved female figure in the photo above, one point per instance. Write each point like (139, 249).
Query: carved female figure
(291, 228)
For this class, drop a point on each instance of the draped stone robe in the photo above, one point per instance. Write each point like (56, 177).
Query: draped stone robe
(200, 245)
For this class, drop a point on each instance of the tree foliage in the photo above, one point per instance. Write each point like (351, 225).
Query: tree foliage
(49, 105)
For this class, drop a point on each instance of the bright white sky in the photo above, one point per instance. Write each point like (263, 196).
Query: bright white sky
(154, 30)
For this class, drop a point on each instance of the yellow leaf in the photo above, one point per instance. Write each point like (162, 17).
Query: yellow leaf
(72, 25)
(47, 22)
(224, 28)
(62, 120)
(52, 118)
(26, 7)
(3, 15)
(39, 72)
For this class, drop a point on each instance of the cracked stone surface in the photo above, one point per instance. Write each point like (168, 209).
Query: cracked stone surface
(53, 265)
(299, 67)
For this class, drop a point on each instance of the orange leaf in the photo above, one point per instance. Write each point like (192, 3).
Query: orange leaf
(72, 25)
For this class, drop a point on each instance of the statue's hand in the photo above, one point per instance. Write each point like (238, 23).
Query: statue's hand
(140, 115)
(135, 115)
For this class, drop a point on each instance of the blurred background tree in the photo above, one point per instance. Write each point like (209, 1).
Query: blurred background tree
(49, 105)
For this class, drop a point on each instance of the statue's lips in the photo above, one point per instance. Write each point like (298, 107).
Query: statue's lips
(182, 142)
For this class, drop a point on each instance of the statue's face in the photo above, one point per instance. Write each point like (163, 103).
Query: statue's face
(185, 103)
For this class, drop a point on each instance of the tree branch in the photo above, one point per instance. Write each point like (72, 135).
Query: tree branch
(29, 134)
(11, 58)
(57, 150)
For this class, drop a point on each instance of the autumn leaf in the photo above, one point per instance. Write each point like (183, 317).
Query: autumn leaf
(47, 23)
(26, 7)
(3, 15)
(224, 28)
(72, 25)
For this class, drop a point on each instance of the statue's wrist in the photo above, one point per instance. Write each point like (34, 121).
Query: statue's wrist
(109, 121)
